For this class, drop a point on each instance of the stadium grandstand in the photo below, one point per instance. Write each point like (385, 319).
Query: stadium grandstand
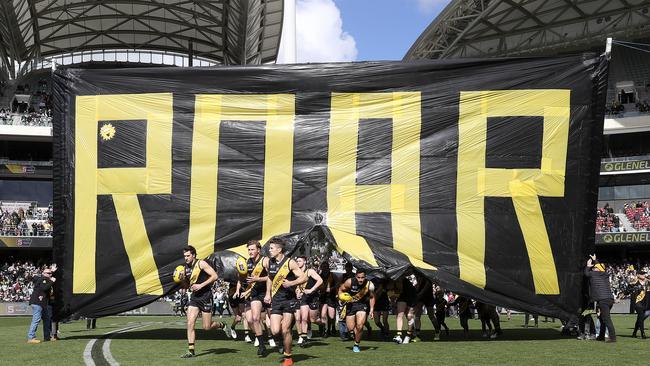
(39, 36)
(503, 28)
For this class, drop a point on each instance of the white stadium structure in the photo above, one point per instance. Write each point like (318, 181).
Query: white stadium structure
(489, 28)
(166, 32)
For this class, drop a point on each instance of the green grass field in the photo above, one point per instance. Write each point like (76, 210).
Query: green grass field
(161, 340)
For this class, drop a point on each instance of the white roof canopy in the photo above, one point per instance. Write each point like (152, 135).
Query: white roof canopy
(485, 28)
(222, 31)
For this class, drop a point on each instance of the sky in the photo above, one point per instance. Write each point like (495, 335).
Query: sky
(359, 30)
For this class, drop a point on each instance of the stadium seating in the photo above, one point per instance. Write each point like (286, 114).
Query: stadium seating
(25, 219)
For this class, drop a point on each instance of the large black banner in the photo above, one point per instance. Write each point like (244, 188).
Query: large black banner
(481, 174)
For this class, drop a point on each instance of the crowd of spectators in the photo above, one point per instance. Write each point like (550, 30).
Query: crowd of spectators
(643, 107)
(31, 118)
(639, 214)
(636, 212)
(607, 221)
(32, 221)
(16, 281)
(615, 108)
(6, 116)
(621, 273)
(35, 112)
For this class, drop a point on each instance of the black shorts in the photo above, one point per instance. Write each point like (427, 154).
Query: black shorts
(322, 298)
(311, 300)
(354, 307)
(280, 307)
(332, 301)
(202, 301)
(383, 303)
(234, 302)
(409, 300)
(256, 297)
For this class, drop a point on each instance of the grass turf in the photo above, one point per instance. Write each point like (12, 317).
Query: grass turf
(161, 340)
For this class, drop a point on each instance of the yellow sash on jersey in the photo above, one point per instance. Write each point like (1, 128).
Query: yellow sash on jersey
(196, 270)
(359, 295)
(303, 286)
(257, 271)
(640, 296)
(283, 271)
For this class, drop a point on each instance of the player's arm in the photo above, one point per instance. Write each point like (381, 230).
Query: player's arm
(258, 279)
(371, 290)
(300, 275)
(238, 287)
(379, 290)
(345, 286)
(261, 278)
(210, 271)
(319, 281)
(590, 264)
(269, 283)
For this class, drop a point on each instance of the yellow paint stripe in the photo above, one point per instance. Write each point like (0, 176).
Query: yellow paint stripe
(533, 228)
(354, 245)
(241, 250)
(137, 245)
(205, 158)
(85, 196)
(278, 165)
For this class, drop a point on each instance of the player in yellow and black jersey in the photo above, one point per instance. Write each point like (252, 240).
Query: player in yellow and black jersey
(358, 298)
(199, 276)
(284, 276)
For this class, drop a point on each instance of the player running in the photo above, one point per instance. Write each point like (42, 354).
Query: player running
(199, 277)
(284, 276)
(253, 290)
(358, 297)
(308, 294)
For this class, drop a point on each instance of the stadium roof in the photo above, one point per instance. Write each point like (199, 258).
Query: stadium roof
(223, 31)
(485, 28)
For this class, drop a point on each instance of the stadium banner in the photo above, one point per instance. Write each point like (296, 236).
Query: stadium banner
(154, 308)
(40, 242)
(641, 237)
(480, 174)
(24, 170)
(15, 309)
(624, 166)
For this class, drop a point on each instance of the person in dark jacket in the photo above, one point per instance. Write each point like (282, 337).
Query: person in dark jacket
(600, 291)
(38, 301)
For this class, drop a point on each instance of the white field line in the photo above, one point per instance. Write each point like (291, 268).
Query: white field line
(88, 358)
(106, 347)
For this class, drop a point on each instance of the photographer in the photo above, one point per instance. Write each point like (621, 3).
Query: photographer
(600, 291)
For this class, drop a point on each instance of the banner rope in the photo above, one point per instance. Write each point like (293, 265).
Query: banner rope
(632, 45)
